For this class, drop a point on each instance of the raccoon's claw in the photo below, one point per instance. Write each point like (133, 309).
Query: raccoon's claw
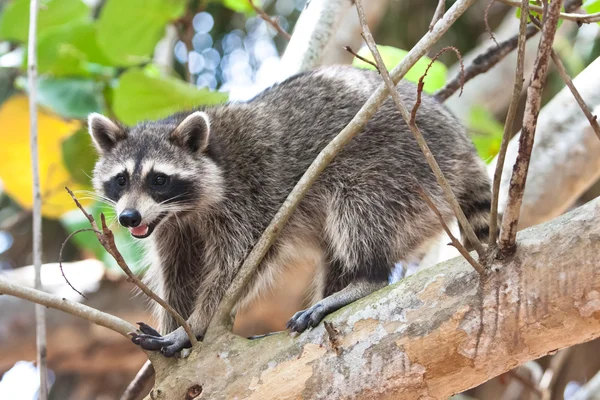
(168, 345)
(306, 318)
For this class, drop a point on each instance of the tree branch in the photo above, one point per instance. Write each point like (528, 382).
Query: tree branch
(508, 122)
(406, 335)
(221, 321)
(107, 240)
(37, 196)
(410, 121)
(439, 12)
(269, 20)
(579, 18)
(510, 219)
(71, 307)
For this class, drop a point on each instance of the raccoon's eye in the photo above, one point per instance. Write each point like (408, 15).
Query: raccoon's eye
(121, 181)
(159, 180)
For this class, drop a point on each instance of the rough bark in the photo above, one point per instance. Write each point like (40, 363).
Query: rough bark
(434, 334)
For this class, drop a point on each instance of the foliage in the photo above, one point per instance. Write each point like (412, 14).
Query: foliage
(486, 133)
(435, 79)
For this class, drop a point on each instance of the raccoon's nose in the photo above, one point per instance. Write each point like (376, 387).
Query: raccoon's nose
(130, 218)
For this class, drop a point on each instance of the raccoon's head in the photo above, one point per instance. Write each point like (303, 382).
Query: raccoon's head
(155, 169)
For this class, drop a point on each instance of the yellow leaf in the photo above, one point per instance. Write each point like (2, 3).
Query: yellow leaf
(15, 167)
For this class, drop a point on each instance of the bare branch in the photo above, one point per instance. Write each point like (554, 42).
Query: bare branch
(455, 242)
(37, 196)
(439, 12)
(510, 219)
(508, 122)
(569, 82)
(579, 18)
(60, 257)
(450, 198)
(71, 307)
(107, 240)
(487, 23)
(552, 373)
(355, 54)
(139, 383)
(269, 20)
(222, 321)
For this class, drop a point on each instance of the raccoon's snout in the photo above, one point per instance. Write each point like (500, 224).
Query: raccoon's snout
(130, 218)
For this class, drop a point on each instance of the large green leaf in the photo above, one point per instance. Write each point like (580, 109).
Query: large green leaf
(435, 79)
(79, 156)
(591, 6)
(139, 96)
(71, 97)
(14, 21)
(486, 133)
(129, 30)
(71, 50)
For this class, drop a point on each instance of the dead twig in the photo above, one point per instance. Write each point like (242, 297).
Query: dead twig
(135, 389)
(221, 321)
(107, 240)
(455, 242)
(510, 220)
(508, 122)
(355, 54)
(551, 374)
(462, 219)
(421, 84)
(487, 23)
(579, 18)
(334, 339)
(269, 20)
(60, 256)
(439, 12)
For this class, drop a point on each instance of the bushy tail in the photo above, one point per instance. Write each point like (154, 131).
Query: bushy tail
(477, 205)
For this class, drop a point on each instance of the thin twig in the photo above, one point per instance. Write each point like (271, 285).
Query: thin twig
(421, 84)
(508, 122)
(60, 257)
(510, 220)
(221, 320)
(526, 382)
(569, 82)
(552, 373)
(107, 240)
(579, 18)
(487, 23)
(450, 198)
(439, 12)
(355, 54)
(40, 317)
(269, 20)
(455, 242)
(70, 307)
(139, 383)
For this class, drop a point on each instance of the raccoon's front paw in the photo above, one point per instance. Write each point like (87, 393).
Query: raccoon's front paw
(168, 345)
(306, 318)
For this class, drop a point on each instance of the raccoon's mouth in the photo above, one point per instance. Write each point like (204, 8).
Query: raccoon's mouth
(144, 230)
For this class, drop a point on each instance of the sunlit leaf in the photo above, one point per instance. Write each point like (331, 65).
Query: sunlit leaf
(435, 79)
(591, 6)
(71, 97)
(15, 168)
(129, 30)
(242, 6)
(139, 96)
(14, 21)
(486, 132)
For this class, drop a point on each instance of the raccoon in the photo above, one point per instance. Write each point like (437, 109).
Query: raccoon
(201, 186)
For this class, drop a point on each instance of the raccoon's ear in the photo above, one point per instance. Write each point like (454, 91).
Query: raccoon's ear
(105, 133)
(192, 133)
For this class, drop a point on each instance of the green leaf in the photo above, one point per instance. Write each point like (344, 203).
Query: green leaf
(71, 50)
(591, 6)
(486, 132)
(78, 156)
(14, 21)
(129, 30)
(71, 97)
(242, 6)
(435, 79)
(139, 96)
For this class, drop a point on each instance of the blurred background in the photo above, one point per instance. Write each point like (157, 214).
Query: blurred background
(134, 60)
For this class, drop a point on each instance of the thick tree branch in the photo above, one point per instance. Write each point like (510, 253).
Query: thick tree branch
(37, 196)
(407, 335)
(508, 123)
(221, 320)
(510, 219)
(410, 121)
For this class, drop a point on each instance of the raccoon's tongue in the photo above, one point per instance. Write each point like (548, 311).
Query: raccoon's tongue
(139, 230)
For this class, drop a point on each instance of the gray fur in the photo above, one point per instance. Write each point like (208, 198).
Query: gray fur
(362, 214)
